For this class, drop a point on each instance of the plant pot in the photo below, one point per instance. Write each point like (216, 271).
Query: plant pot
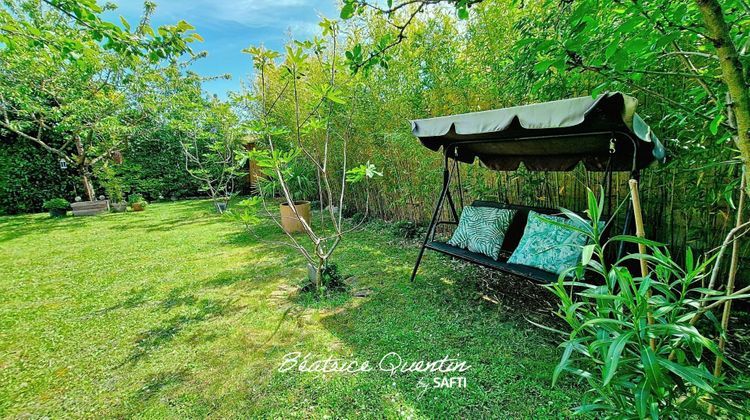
(289, 220)
(221, 207)
(58, 213)
(118, 207)
(137, 206)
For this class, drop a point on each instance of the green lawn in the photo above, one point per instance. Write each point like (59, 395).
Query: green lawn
(176, 312)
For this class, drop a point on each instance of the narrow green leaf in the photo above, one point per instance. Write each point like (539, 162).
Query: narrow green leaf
(691, 375)
(714, 127)
(587, 253)
(642, 398)
(613, 356)
(564, 360)
(651, 367)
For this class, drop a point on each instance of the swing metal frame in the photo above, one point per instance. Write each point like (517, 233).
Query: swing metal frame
(450, 153)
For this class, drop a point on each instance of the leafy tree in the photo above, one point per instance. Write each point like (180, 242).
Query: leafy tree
(312, 92)
(66, 73)
(213, 150)
(21, 20)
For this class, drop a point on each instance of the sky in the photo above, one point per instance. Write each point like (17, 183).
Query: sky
(228, 26)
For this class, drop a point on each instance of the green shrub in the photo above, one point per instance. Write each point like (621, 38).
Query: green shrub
(136, 198)
(112, 184)
(332, 281)
(154, 165)
(409, 229)
(632, 338)
(56, 204)
(28, 174)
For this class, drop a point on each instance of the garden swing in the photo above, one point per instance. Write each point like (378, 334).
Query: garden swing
(603, 133)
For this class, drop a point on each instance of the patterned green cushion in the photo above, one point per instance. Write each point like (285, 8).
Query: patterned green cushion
(482, 230)
(547, 246)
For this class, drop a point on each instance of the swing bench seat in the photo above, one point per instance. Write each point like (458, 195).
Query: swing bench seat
(510, 242)
(534, 274)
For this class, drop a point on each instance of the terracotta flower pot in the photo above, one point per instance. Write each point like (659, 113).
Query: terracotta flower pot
(137, 206)
(289, 220)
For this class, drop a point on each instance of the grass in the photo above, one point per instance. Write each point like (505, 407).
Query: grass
(176, 312)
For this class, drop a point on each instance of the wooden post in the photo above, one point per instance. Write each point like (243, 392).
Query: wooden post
(639, 232)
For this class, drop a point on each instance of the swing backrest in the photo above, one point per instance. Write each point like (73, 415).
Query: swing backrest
(518, 223)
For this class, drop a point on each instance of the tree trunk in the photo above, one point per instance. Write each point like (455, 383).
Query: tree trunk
(732, 73)
(82, 165)
(85, 176)
(319, 274)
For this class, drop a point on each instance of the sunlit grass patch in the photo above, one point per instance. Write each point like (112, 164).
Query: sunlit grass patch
(176, 312)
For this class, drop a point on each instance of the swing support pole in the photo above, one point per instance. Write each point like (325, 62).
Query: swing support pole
(445, 192)
(640, 232)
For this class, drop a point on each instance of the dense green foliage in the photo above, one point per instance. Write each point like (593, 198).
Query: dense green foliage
(28, 176)
(155, 166)
(504, 56)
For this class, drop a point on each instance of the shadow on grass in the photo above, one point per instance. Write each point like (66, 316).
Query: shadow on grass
(184, 213)
(157, 337)
(228, 278)
(136, 298)
(155, 383)
(199, 310)
(13, 227)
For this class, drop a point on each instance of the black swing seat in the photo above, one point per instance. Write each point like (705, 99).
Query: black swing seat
(510, 242)
(534, 274)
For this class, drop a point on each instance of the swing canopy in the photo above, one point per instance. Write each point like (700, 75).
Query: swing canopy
(605, 133)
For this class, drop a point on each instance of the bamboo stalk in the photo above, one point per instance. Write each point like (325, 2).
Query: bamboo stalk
(639, 232)
(733, 265)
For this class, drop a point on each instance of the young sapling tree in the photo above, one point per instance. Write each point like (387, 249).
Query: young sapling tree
(316, 137)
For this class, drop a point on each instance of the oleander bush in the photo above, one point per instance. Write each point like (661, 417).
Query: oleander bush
(634, 339)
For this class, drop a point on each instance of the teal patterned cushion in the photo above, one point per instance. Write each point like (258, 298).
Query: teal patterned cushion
(547, 246)
(482, 230)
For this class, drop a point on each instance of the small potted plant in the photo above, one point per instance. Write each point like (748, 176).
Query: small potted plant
(57, 207)
(137, 202)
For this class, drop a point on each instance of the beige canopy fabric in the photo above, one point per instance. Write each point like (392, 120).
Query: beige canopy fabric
(549, 136)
